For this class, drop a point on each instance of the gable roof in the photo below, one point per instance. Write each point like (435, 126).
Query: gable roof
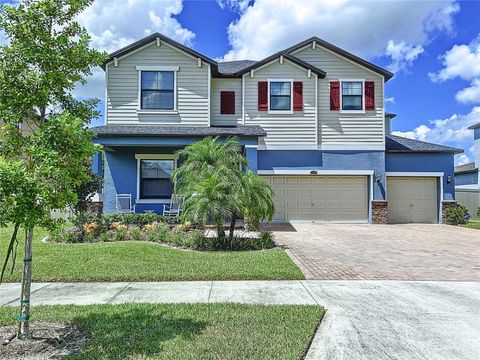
(287, 56)
(474, 126)
(335, 49)
(400, 144)
(240, 67)
(150, 38)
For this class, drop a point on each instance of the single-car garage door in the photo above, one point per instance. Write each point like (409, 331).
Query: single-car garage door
(320, 198)
(412, 199)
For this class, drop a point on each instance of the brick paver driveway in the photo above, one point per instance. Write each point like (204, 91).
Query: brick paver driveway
(387, 252)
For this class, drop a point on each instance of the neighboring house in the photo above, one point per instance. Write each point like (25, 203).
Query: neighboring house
(467, 183)
(310, 119)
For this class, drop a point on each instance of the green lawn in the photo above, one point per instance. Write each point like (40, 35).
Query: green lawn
(473, 224)
(143, 261)
(187, 331)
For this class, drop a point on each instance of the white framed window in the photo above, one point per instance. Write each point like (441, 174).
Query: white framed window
(157, 88)
(352, 95)
(280, 96)
(154, 173)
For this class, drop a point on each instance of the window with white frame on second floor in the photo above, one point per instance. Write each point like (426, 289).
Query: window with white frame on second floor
(352, 95)
(280, 95)
(157, 90)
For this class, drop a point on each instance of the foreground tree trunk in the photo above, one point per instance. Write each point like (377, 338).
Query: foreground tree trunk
(233, 221)
(23, 325)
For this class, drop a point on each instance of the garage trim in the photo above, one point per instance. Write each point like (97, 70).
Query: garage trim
(438, 175)
(368, 173)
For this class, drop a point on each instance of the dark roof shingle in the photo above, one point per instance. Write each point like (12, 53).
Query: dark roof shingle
(395, 143)
(233, 67)
(170, 131)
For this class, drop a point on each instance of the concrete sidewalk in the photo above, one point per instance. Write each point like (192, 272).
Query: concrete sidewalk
(365, 319)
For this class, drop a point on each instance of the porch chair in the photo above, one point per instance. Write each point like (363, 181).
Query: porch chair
(124, 204)
(175, 207)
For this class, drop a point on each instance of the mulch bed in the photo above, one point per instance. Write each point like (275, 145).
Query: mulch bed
(48, 341)
(286, 227)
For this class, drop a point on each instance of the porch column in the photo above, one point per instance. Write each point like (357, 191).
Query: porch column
(251, 154)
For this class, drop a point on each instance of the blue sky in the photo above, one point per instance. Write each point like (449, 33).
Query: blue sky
(432, 46)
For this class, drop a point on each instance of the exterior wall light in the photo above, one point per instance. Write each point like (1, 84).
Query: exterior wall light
(449, 179)
(378, 178)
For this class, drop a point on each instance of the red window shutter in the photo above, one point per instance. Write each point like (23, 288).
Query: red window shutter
(262, 96)
(335, 95)
(227, 102)
(369, 95)
(297, 96)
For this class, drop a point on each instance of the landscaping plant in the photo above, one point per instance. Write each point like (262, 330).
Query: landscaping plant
(457, 215)
(44, 136)
(218, 188)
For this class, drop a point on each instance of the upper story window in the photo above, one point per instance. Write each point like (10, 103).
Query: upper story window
(158, 90)
(352, 95)
(280, 95)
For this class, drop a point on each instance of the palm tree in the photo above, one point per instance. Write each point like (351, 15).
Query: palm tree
(213, 179)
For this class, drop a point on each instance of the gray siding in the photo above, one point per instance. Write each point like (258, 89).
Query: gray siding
(297, 129)
(342, 128)
(192, 88)
(219, 85)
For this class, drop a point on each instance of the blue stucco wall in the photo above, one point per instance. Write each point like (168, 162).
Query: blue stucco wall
(97, 164)
(327, 160)
(425, 162)
(470, 178)
(120, 176)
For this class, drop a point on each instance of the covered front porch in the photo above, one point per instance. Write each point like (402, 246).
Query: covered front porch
(139, 160)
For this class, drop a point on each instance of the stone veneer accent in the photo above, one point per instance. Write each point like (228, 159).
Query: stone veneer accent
(379, 212)
(447, 204)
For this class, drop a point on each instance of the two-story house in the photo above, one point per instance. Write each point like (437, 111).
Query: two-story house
(467, 179)
(310, 119)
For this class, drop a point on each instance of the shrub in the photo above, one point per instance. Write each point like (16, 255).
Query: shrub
(457, 215)
(104, 237)
(196, 239)
(178, 237)
(90, 228)
(88, 238)
(136, 234)
(478, 211)
(265, 241)
(157, 232)
(120, 233)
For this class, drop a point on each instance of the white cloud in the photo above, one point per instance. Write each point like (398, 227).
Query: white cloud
(365, 28)
(452, 131)
(235, 5)
(470, 94)
(462, 61)
(114, 24)
(402, 55)
(461, 159)
(390, 100)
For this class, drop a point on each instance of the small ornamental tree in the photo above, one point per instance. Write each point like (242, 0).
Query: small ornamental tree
(44, 136)
(218, 188)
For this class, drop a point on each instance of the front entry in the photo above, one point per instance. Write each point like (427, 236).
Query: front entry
(412, 199)
(320, 198)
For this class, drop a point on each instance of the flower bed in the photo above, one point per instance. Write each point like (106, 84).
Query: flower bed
(156, 228)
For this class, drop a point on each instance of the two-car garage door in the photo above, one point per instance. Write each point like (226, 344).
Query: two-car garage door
(320, 198)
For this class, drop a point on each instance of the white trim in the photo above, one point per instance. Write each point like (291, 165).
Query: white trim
(383, 108)
(105, 111)
(158, 68)
(175, 86)
(318, 172)
(152, 201)
(281, 59)
(199, 64)
(440, 205)
(243, 99)
(158, 42)
(156, 156)
(326, 147)
(136, 50)
(291, 97)
(141, 157)
(370, 198)
(251, 146)
(209, 74)
(317, 125)
(115, 61)
(363, 96)
(156, 112)
(419, 174)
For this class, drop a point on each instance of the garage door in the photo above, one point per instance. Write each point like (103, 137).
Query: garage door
(412, 199)
(320, 198)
